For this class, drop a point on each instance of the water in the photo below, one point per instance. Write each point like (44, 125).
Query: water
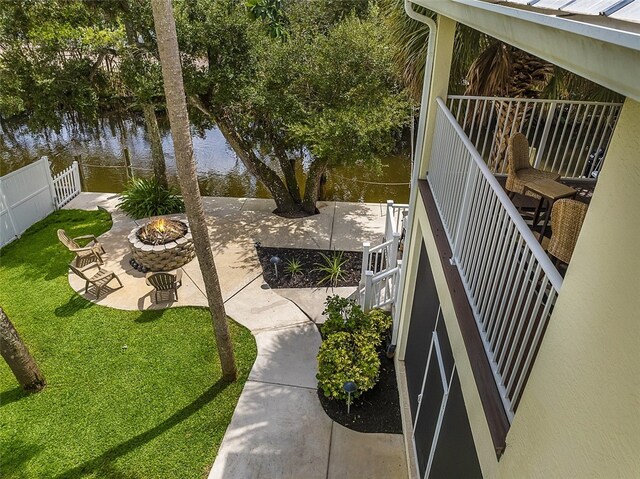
(220, 171)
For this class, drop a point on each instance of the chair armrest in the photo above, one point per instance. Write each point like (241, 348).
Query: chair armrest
(85, 248)
(86, 237)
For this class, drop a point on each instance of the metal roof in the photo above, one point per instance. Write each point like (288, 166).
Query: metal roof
(628, 13)
(625, 10)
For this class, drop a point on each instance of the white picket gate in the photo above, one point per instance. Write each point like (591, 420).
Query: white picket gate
(29, 194)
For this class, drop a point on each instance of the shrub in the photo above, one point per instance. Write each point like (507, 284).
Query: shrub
(346, 357)
(379, 322)
(332, 268)
(342, 315)
(145, 197)
(345, 315)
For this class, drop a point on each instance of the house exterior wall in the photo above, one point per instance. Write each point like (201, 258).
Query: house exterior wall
(579, 415)
(579, 412)
(475, 411)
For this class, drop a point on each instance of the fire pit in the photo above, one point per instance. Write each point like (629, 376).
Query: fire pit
(162, 244)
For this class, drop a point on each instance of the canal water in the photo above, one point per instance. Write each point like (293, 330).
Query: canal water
(220, 172)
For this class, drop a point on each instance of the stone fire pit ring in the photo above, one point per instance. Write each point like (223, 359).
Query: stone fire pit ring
(162, 257)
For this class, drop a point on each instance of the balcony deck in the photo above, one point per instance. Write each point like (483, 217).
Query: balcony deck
(509, 281)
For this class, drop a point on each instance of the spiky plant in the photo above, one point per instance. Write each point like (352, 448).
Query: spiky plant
(143, 198)
(332, 267)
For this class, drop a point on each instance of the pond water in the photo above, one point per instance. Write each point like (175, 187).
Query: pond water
(220, 172)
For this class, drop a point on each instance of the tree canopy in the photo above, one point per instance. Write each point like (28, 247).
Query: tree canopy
(294, 87)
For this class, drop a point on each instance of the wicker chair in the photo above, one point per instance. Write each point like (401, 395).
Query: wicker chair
(98, 280)
(567, 217)
(165, 283)
(90, 253)
(519, 171)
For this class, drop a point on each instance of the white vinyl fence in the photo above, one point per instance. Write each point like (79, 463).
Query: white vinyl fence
(29, 194)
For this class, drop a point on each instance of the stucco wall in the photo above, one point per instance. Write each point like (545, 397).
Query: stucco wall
(580, 412)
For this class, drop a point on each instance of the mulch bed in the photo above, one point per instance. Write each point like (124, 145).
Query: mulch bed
(377, 410)
(309, 259)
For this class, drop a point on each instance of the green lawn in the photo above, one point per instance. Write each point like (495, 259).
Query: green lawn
(129, 394)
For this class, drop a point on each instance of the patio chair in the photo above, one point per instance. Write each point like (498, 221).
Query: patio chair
(519, 170)
(163, 282)
(567, 217)
(98, 280)
(90, 253)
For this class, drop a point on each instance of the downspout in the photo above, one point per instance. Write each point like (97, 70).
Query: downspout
(424, 107)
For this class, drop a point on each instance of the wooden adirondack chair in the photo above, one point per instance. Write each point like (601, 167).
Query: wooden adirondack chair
(165, 282)
(90, 253)
(98, 280)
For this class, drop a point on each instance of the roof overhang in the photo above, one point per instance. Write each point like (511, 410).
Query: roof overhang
(607, 56)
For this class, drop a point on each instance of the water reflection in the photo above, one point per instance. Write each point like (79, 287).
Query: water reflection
(220, 172)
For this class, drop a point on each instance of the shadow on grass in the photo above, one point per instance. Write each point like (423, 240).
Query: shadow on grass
(102, 464)
(150, 315)
(12, 395)
(76, 303)
(15, 455)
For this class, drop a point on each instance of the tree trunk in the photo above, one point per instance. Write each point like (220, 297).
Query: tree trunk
(286, 204)
(508, 122)
(17, 356)
(177, 107)
(288, 170)
(312, 186)
(157, 153)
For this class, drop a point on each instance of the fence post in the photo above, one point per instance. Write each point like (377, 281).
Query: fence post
(127, 163)
(393, 257)
(81, 180)
(365, 260)
(545, 135)
(388, 225)
(368, 291)
(12, 220)
(52, 188)
(76, 177)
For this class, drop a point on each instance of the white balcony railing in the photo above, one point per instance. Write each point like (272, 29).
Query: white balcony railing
(509, 280)
(568, 137)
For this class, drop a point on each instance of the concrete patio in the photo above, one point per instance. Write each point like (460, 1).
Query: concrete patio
(278, 428)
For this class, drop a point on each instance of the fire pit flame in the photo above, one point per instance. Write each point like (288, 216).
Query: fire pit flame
(161, 231)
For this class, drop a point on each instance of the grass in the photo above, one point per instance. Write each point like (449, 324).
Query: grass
(129, 394)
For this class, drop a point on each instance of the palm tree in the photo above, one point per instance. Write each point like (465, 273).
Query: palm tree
(18, 357)
(484, 66)
(178, 117)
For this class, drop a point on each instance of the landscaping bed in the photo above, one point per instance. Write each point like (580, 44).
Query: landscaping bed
(310, 261)
(129, 393)
(353, 367)
(377, 410)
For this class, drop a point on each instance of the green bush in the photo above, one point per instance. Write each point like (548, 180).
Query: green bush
(342, 315)
(379, 322)
(347, 357)
(345, 315)
(145, 197)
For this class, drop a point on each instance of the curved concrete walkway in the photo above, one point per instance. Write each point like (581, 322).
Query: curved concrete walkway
(278, 429)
